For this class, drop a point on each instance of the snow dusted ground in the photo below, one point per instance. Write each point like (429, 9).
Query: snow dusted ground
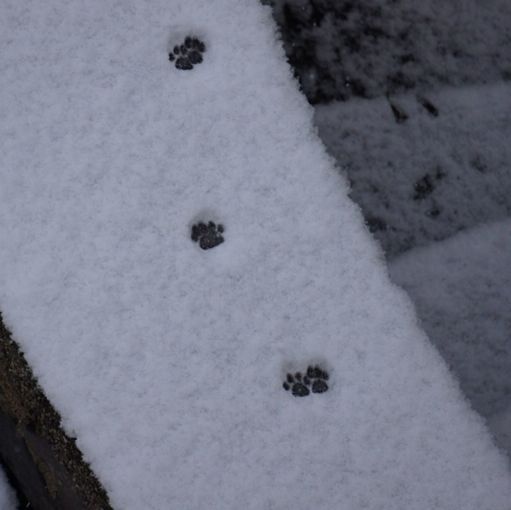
(500, 425)
(167, 361)
(370, 48)
(433, 173)
(7, 498)
(462, 291)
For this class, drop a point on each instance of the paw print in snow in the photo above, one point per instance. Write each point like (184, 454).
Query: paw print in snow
(301, 386)
(318, 378)
(188, 54)
(208, 235)
(297, 385)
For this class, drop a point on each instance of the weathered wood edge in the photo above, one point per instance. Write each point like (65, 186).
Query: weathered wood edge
(46, 463)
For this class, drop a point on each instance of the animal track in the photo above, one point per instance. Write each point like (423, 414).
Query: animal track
(188, 54)
(428, 106)
(314, 380)
(208, 235)
(400, 115)
(426, 185)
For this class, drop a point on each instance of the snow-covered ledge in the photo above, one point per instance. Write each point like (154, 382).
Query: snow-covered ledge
(167, 361)
(42, 460)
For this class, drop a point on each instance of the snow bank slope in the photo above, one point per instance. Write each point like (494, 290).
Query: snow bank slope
(462, 290)
(431, 174)
(167, 361)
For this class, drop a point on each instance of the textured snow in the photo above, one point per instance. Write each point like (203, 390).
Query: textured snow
(7, 498)
(462, 291)
(373, 48)
(464, 150)
(500, 425)
(167, 361)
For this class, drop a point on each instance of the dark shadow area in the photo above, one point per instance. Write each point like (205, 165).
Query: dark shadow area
(369, 48)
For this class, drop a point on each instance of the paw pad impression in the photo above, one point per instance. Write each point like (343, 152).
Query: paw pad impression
(301, 385)
(208, 235)
(188, 54)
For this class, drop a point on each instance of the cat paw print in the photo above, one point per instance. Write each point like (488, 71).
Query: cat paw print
(188, 54)
(208, 235)
(315, 380)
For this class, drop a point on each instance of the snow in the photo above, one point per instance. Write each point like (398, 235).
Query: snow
(462, 291)
(7, 498)
(464, 150)
(373, 48)
(166, 361)
(500, 425)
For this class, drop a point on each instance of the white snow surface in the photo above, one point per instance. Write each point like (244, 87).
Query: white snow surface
(461, 288)
(167, 361)
(464, 151)
(7, 498)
